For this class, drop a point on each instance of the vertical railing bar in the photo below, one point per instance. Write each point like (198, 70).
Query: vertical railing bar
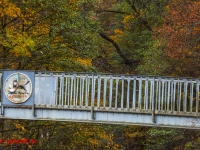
(197, 96)
(185, 96)
(180, 91)
(110, 94)
(56, 89)
(52, 88)
(83, 88)
(156, 97)
(172, 93)
(146, 94)
(99, 90)
(140, 93)
(74, 92)
(134, 92)
(116, 94)
(165, 103)
(77, 90)
(71, 91)
(86, 90)
(68, 91)
(163, 87)
(39, 74)
(168, 95)
(152, 94)
(151, 103)
(178, 96)
(156, 104)
(159, 91)
(89, 91)
(122, 94)
(191, 95)
(128, 93)
(62, 92)
(80, 91)
(93, 89)
(104, 93)
(174, 98)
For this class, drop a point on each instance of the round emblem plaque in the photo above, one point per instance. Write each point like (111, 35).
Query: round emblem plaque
(18, 88)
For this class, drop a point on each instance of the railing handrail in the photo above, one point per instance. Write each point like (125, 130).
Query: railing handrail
(113, 74)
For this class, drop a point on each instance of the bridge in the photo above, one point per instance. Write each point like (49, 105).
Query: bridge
(104, 98)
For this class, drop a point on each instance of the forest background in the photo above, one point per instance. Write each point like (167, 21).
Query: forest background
(150, 37)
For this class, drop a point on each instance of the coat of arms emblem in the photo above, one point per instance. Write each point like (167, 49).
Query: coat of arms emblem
(18, 88)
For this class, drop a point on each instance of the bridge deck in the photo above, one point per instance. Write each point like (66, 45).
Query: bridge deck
(122, 99)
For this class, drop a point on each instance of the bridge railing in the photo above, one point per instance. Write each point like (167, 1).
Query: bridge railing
(117, 92)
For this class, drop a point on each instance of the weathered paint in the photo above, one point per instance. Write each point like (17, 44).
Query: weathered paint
(120, 99)
(107, 117)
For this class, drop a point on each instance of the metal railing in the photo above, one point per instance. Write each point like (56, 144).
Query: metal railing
(117, 92)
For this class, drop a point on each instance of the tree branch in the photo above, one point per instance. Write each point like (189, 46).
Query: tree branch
(126, 60)
(144, 22)
(113, 11)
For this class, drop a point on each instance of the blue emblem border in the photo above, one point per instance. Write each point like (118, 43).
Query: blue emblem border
(5, 101)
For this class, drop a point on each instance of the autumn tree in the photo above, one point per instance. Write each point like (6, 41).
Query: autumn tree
(47, 35)
(128, 31)
(50, 35)
(180, 35)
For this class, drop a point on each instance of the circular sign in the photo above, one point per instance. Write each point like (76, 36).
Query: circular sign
(18, 88)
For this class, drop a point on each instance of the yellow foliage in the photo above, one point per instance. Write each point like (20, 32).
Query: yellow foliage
(118, 31)
(19, 126)
(73, 4)
(41, 29)
(9, 9)
(85, 62)
(167, 7)
(19, 43)
(127, 18)
(113, 37)
(72, 1)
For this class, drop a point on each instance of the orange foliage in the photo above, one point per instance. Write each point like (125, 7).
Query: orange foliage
(180, 32)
